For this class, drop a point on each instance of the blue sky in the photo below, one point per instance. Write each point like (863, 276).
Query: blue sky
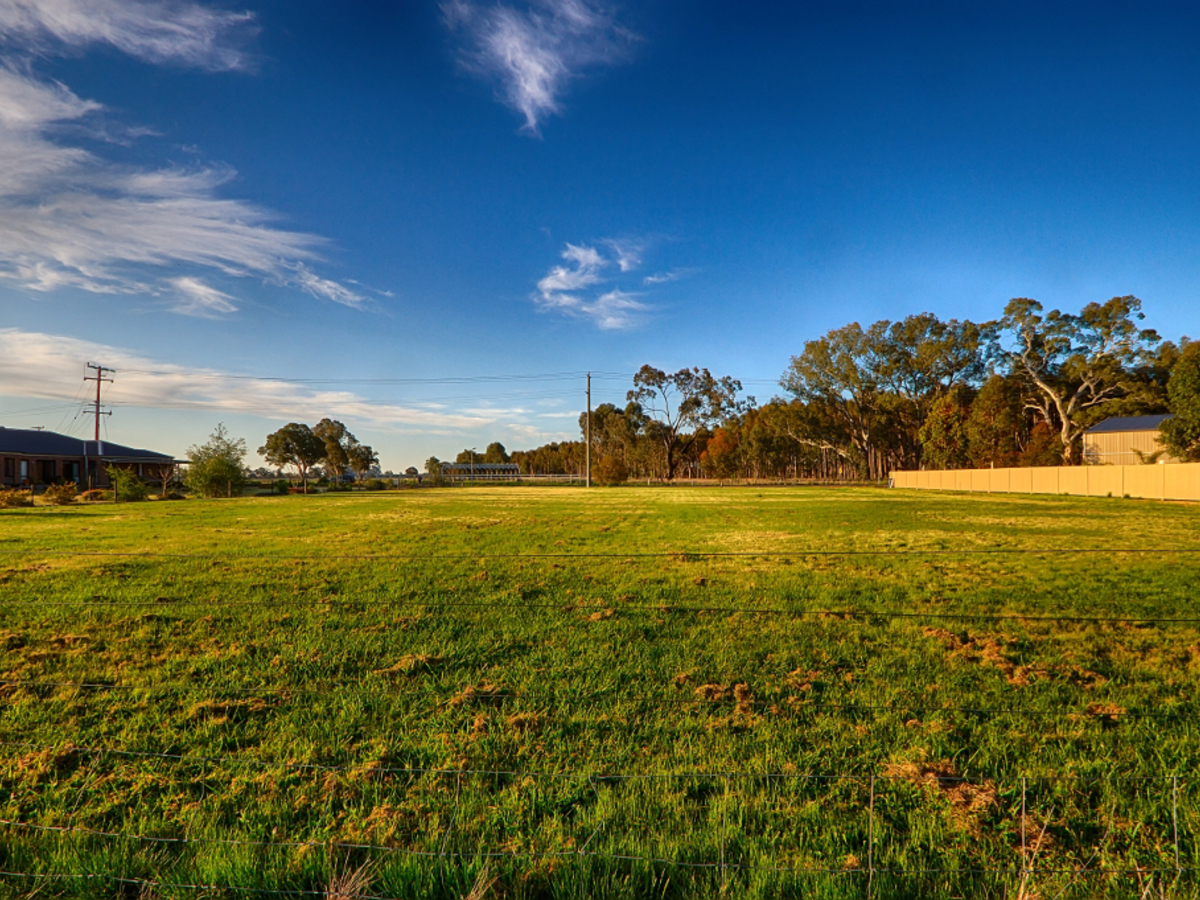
(384, 211)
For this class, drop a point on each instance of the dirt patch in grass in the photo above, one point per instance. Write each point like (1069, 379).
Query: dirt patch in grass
(49, 764)
(411, 664)
(475, 694)
(221, 712)
(969, 800)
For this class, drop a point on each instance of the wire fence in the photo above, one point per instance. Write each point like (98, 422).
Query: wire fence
(720, 698)
(740, 838)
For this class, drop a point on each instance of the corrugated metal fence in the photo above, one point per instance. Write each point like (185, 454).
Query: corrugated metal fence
(1175, 481)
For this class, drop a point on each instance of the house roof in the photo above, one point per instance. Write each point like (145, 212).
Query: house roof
(27, 442)
(1128, 423)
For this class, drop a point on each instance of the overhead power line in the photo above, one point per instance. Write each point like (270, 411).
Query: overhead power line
(463, 379)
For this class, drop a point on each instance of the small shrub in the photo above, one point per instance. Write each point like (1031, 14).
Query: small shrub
(127, 486)
(61, 494)
(612, 470)
(94, 495)
(280, 486)
(12, 498)
(374, 484)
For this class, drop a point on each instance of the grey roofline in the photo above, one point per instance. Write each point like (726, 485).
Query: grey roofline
(1118, 424)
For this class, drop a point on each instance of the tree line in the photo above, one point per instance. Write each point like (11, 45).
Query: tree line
(915, 393)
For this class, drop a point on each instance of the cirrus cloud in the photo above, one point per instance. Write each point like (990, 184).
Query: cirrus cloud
(535, 52)
(159, 31)
(72, 218)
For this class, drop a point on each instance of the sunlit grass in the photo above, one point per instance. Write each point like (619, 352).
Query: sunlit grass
(613, 689)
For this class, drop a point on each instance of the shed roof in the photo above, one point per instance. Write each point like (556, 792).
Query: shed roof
(28, 442)
(1128, 423)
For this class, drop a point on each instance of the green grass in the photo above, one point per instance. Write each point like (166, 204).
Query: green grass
(563, 694)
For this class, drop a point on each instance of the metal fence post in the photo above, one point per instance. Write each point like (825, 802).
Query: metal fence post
(871, 839)
(724, 830)
(453, 814)
(1024, 857)
(1175, 821)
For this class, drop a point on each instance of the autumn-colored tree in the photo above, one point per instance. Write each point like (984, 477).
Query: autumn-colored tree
(720, 456)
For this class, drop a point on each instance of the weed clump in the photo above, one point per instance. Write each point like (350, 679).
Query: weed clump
(13, 498)
(61, 494)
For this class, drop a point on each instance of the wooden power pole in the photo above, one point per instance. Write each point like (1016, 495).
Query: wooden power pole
(99, 379)
(588, 430)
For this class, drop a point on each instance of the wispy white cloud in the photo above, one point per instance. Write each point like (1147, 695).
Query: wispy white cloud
(71, 218)
(667, 277)
(195, 298)
(534, 52)
(615, 310)
(567, 289)
(37, 365)
(159, 31)
(628, 253)
(584, 272)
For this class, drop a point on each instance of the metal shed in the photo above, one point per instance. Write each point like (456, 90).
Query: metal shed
(1125, 441)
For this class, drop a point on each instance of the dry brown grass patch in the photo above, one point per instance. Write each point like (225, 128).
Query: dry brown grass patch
(43, 765)
(525, 721)
(410, 663)
(474, 694)
(220, 712)
(969, 800)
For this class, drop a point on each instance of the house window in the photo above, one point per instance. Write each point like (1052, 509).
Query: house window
(10, 467)
(24, 470)
(49, 472)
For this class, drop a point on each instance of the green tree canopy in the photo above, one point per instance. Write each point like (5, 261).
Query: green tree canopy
(217, 468)
(1181, 432)
(688, 399)
(495, 453)
(337, 441)
(997, 427)
(294, 445)
(1072, 365)
(361, 459)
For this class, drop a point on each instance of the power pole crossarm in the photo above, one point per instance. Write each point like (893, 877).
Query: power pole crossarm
(98, 378)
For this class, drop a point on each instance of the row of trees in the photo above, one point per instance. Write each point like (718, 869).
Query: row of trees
(920, 392)
(328, 444)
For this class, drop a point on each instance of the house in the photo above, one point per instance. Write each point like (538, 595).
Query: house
(1125, 441)
(31, 457)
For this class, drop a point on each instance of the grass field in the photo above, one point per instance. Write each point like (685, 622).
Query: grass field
(619, 693)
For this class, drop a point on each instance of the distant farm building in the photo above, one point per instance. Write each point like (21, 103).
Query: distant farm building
(1126, 441)
(481, 471)
(30, 457)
